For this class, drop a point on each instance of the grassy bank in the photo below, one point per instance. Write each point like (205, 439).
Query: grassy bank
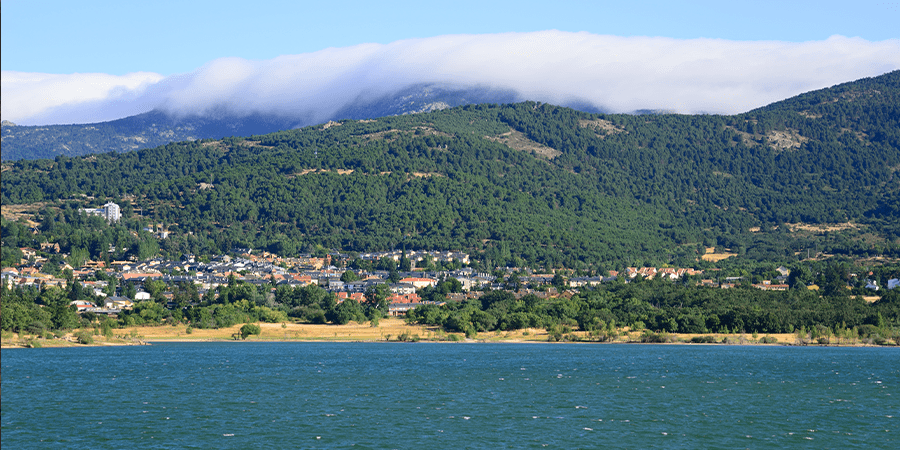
(387, 330)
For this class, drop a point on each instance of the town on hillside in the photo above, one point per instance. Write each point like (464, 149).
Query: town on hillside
(120, 284)
(329, 272)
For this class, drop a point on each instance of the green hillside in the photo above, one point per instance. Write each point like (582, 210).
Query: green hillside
(524, 182)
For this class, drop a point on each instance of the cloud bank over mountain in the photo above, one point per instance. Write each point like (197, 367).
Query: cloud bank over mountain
(617, 74)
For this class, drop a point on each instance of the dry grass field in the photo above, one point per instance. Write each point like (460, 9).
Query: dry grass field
(388, 330)
(287, 332)
(712, 256)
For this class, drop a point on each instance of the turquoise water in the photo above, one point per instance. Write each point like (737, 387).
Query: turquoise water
(450, 396)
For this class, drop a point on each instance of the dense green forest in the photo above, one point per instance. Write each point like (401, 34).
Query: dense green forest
(524, 183)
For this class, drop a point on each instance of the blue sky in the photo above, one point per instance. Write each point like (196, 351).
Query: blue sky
(71, 62)
(169, 37)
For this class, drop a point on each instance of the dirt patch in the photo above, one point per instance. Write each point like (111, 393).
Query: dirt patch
(307, 171)
(716, 257)
(419, 130)
(602, 128)
(380, 134)
(712, 256)
(217, 145)
(27, 212)
(349, 171)
(518, 141)
(822, 228)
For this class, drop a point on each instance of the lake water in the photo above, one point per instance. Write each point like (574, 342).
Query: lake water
(450, 396)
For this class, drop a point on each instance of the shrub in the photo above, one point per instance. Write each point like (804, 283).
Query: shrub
(189, 330)
(703, 340)
(84, 337)
(106, 328)
(36, 328)
(768, 340)
(650, 337)
(868, 330)
(406, 337)
(249, 329)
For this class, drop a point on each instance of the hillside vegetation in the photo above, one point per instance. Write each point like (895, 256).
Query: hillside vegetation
(525, 182)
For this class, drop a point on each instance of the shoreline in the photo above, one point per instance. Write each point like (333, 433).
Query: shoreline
(396, 330)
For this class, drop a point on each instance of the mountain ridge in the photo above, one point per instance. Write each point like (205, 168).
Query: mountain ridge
(158, 127)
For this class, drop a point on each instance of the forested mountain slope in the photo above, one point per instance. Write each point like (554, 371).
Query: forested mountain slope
(157, 127)
(547, 184)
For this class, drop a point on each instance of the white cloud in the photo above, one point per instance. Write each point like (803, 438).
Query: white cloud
(616, 73)
(82, 97)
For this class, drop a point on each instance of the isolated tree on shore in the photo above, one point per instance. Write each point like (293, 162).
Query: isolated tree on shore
(249, 329)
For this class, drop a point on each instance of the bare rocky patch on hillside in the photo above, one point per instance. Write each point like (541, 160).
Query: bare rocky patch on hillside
(602, 128)
(778, 140)
(518, 141)
(787, 139)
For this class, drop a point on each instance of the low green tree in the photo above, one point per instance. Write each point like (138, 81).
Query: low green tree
(249, 329)
(84, 337)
